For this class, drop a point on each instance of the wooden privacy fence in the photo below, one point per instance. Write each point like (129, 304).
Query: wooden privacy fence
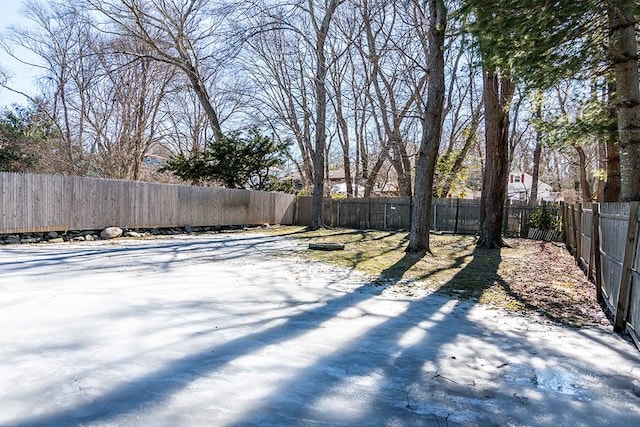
(40, 203)
(604, 240)
(459, 216)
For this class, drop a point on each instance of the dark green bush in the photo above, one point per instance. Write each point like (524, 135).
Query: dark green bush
(544, 218)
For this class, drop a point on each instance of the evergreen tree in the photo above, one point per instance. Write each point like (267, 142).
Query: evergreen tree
(21, 140)
(235, 161)
(541, 42)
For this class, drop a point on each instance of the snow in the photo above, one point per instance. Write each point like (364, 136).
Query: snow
(236, 329)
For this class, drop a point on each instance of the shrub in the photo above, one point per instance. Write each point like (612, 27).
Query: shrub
(545, 219)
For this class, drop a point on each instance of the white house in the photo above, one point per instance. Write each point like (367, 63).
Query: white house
(519, 188)
(341, 188)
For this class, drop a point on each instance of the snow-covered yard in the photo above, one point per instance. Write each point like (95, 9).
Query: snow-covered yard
(234, 329)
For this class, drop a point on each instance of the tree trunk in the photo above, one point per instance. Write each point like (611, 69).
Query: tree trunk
(205, 101)
(612, 185)
(322, 32)
(537, 152)
(431, 132)
(497, 92)
(343, 135)
(401, 164)
(585, 187)
(624, 51)
(601, 178)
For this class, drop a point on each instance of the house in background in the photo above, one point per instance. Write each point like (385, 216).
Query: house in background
(519, 188)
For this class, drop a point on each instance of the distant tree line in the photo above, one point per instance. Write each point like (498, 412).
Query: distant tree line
(437, 97)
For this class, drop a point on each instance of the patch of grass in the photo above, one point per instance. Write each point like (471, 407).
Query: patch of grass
(528, 276)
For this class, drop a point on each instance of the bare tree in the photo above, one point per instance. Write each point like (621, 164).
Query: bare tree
(321, 29)
(432, 130)
(184, 34)
(61, 39)
(123, 113)
(279, 70)
(397, 80)
(106, 106)
(309, 24)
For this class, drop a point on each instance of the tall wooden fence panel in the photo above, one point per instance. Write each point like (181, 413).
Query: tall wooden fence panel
(585, 254)
(39, 203)
(614, 219)
(605, 241)
(569, 226)
(634, 299)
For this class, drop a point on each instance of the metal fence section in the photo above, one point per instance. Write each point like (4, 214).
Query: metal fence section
(40, 203)
(459, 216)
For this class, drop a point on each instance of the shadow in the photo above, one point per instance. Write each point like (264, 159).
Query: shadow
(125, 252)
(393, 368)
(477, 276)
(134, 395)
(423, 378)
(411, 356)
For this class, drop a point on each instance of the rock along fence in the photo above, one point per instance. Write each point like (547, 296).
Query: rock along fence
(32, 203)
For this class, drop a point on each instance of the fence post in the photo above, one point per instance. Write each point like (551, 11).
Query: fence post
(595, 250)
(505, 220)
(571, 224)
(455, 224)
(577, 231)
(625, 282)
(563, 208)
(434, 208)
(384, 218)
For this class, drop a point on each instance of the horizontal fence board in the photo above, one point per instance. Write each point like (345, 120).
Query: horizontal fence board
(40, 203)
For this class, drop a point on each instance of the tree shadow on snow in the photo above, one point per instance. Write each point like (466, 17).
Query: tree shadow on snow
(399, 371)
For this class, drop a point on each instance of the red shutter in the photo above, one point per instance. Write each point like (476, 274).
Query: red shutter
(522, 181)
(511, 179)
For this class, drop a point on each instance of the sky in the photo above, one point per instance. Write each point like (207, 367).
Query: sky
(21, 76)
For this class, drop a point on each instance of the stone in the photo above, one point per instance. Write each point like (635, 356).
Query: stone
(53, 235)
(13, 239)
(78, 239)
(56, 240)
(88, 238)
(132, 234)
(326, 246)
(154, 231)
(188, 229)
(28, 240)
(111, 233)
